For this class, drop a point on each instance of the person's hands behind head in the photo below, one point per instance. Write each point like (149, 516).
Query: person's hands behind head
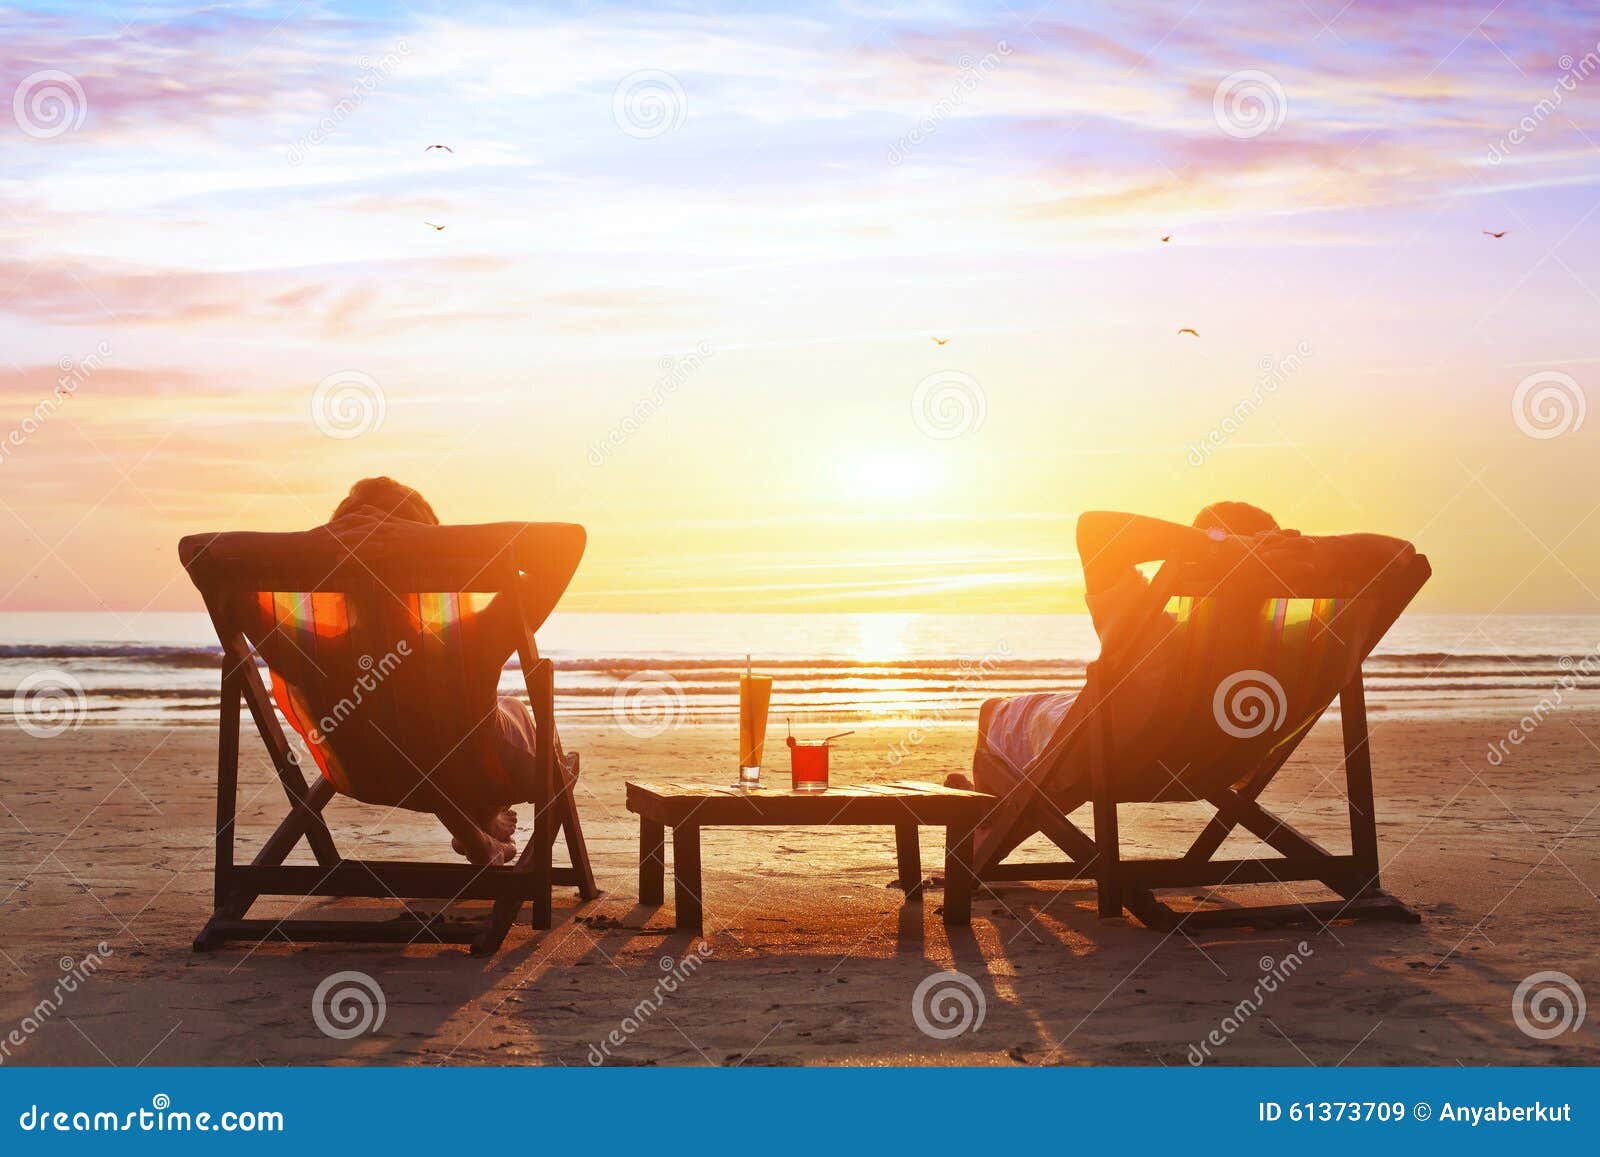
(371, 532)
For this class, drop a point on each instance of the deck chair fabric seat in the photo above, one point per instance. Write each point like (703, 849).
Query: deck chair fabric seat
(1253, 663)
(386, 662)
(328, 654)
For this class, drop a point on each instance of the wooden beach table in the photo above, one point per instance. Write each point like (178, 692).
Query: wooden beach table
(686, 808)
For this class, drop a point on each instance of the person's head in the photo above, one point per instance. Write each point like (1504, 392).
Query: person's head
(1237, 518)
(389, 498)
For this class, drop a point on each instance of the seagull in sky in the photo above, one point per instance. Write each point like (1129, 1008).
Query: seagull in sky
(431, 225)
(1502, 233)
(446, 148)
(1186, 329)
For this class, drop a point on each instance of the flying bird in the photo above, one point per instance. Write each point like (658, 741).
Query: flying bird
(1502, 233)
(1186, 329)
(431, 225)
(1168, 237)
(941, 341)
(446, 148)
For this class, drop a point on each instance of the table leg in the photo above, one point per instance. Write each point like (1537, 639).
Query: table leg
(958, 874)
(908, 854)
(652, 861)
(686, 877)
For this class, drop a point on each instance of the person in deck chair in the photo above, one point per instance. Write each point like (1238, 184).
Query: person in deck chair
(1227, 538)
(374, 512)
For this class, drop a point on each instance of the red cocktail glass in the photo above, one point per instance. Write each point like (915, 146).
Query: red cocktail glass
(808, 762)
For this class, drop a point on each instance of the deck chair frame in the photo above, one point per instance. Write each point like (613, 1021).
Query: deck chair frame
(1131, 883)
(531, 878)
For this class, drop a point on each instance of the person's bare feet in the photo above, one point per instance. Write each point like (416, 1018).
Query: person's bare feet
(486, 850)
(503, 826)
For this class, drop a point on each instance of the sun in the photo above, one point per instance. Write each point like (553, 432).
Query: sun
(887, 477)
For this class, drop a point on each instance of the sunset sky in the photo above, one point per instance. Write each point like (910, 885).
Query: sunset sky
(755, 221)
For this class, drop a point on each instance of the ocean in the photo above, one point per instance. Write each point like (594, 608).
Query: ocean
(162, 668)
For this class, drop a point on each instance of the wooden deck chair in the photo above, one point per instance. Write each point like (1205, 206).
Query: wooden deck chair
(358, 647)
(1231, 716)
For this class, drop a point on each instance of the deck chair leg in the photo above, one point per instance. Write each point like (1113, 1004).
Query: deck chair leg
(1358, 779)
(539, 845)
(1108, 858)
(222, 899)
(504, 915)
(572, 827)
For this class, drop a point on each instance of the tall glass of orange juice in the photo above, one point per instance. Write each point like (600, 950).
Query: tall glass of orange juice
(755, 693)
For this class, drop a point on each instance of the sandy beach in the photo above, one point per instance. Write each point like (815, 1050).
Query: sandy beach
(809, 957)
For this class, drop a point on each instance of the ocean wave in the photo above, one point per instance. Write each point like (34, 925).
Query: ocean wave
(191, 656)
(152, 654)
